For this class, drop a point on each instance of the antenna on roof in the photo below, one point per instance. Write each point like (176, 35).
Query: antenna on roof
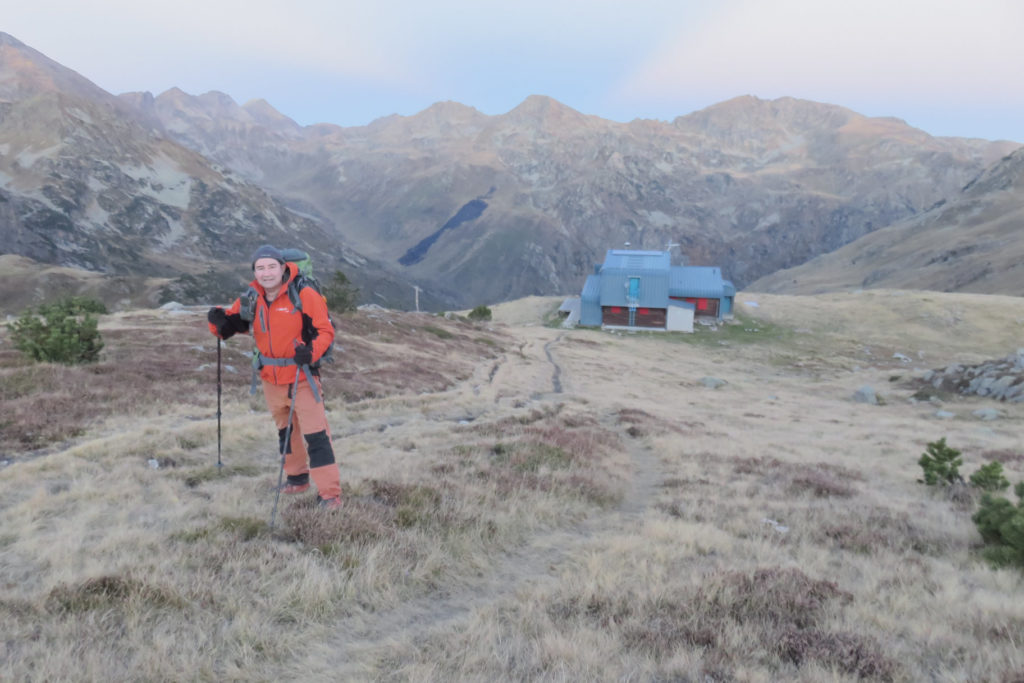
(625, 244)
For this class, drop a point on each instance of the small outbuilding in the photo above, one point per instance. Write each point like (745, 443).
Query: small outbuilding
(643, 290)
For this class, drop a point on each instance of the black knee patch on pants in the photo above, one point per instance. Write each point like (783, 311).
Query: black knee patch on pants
(281, 445)
(318, 445)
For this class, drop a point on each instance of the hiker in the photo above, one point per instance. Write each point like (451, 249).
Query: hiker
(289, 340)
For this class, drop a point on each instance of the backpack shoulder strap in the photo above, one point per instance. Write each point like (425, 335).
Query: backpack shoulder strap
(296, 286)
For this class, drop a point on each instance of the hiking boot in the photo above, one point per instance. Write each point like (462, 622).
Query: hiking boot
(329, 503)
(296, 484)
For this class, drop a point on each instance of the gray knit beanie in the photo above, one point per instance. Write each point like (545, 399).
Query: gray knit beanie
(267, 251)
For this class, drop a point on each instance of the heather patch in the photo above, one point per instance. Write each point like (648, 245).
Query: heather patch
(820, 480)
(111, 592)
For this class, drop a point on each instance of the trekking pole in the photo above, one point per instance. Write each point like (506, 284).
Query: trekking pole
(284, 446)
(219, 463)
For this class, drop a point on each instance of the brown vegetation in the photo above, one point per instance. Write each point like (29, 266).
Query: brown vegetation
(635, 525)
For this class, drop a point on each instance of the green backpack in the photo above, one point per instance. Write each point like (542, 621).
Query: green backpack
(305, 265)
(304, 279)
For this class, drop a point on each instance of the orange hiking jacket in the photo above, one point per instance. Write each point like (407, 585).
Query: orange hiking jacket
(278, 328)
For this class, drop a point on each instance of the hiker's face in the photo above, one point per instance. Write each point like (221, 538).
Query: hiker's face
(268, 272)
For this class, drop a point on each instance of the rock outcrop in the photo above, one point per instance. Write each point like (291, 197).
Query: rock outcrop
(1002, 380)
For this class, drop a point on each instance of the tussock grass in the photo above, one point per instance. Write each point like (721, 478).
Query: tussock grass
(392, 540)
(636, 526)
(742, 330)
(544, 450)
(387, 354)
(197, 476)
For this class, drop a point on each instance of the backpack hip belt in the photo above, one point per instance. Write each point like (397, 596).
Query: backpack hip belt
(259, 361)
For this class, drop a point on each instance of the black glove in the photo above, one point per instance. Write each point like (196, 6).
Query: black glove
(219, 319)
(303, 354)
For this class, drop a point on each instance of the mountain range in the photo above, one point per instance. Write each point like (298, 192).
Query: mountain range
(89, 182)
(178, 189)
(972, 242)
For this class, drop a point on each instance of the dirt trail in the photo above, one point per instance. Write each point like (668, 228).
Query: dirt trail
(533, 370)
(556, 376)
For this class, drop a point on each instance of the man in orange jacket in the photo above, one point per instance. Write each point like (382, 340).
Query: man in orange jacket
(290, 340)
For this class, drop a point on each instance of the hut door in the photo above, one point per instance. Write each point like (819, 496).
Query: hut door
(633, 299)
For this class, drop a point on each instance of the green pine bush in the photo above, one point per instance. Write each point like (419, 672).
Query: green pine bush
(999, 521)
(480, 313)
(342, 296)
(941, 464)
(990, 478)
(64, 331)
(1001, 525)
(73, 305)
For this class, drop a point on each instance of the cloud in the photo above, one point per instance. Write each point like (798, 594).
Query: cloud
(124, 36)
(842, 50)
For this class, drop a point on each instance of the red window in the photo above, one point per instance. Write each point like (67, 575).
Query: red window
(702, 304)
(643, 311)
(616, 309)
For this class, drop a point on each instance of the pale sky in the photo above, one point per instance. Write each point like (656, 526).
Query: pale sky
(949, 67)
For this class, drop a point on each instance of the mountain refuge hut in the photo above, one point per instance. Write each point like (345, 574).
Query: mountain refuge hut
(642, 290)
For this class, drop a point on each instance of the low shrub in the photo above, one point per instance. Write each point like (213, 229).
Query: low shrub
(74, 305)
(104, 593)
(990, 478)
(481, 313)
(439, 332)
(342, 296)
(1001, 525)
(848, 652)
(64, 331)
(941, 464)
(999, 521)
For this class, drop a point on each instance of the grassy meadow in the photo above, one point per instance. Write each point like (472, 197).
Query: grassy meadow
(521, 502)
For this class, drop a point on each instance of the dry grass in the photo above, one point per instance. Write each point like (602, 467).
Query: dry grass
(636, 526)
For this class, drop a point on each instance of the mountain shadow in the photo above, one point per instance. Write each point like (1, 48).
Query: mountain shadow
(469, 212)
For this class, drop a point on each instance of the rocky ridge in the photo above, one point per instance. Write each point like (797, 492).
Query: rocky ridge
(471, 208)
(750, 185)
(968, 242)
(93, 182)
(1001, 380)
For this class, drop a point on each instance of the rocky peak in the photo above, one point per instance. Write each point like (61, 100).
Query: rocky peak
(220, 104)
(546, 113)
(144, 101)
(25, 72)
(440, 120)
(213, 122)
(449, 110)
(212, 105)
(262, 112)
(8, 39)
(752, 125)
(781, 113)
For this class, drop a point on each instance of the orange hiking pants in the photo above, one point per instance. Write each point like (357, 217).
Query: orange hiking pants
(309, 449)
